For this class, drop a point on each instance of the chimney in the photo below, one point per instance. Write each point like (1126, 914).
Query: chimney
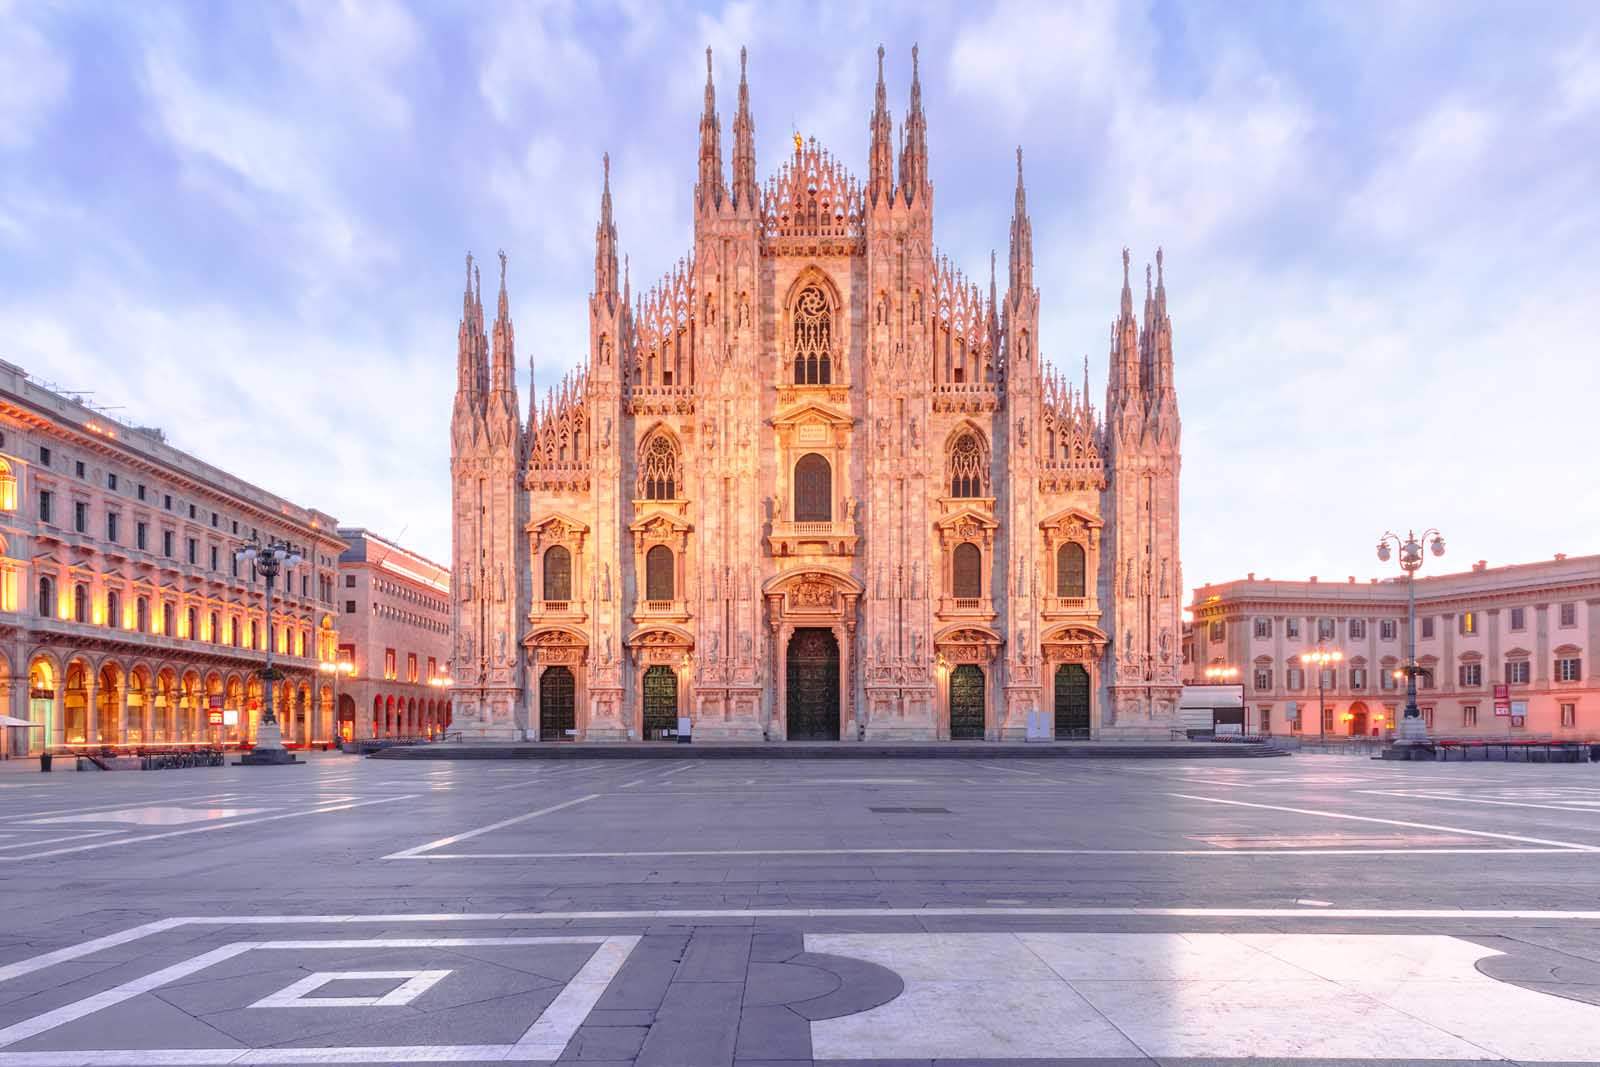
(1560, 556)
(1250, 577)
(1313, 579)
(1481, 565)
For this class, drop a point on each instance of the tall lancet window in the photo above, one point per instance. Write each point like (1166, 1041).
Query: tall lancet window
(813, 336)
(557, 573)
(1070, 570)
(966, 467)
(658, 469)
(813, 489)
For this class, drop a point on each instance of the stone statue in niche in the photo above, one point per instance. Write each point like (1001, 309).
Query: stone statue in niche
(711, 648)
(878, 648)
(916, 579)
(1022, 644)
(1127, 645)
(745, 647)
(1163, 589)
(500, 639)
(605, 433)
(1165, 645)
(500, 583)
(744, 312)
(605, 584)
(916, 646)
(916, 305)
(911, 427)
(466, 644)
(605, 646)
(850, 510)
(1127, 582)
(1022, 430)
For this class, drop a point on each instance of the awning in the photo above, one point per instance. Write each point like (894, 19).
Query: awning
(12, 720)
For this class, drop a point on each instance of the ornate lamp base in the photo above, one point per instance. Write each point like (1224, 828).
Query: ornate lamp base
(269, 750)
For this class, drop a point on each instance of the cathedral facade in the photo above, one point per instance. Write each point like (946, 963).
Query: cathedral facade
(815, 484)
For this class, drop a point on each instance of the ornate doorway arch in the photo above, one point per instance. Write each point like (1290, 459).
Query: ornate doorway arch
(807, 600)
(812, 685)
(1067, 650)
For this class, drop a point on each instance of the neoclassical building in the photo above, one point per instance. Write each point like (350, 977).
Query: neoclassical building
(815, 484)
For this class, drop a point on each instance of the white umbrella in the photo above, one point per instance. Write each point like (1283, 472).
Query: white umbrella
(12, 720)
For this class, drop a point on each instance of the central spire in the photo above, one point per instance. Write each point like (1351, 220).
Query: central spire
(744, 150)
(914, 156)
(880, 178)
(605, 243)
(1021, 237)
(709, 193)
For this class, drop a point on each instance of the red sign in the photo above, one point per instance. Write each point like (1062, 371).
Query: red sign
(1502, 708)
(215, 718)
(216, 700)
(1502, 692)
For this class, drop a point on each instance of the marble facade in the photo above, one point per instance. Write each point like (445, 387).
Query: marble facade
(816, 484)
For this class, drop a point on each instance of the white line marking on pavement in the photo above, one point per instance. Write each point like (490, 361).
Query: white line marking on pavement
(1308, 902)
(549, 1034)
(87, 948)
(323, 810)
(1393, 822)
(1504, 850)
(417, 851)
(1577, 806)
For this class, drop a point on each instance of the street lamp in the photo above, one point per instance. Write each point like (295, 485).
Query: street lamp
(268, 558)
(1413, 731)
(1222, 675)
(1322, 659)
(336, 668)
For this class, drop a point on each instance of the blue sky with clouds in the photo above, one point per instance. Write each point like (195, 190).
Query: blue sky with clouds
(245, 223)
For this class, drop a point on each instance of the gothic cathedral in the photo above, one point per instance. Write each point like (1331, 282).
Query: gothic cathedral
(816, 485)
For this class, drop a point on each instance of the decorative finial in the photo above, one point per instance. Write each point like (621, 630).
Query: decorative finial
(880, 62)
(1019, 164)
(502, 268)
(605, 162)
(1147, 279)
(913, 62)
(469, 270)
(1158, 265)
(1124, 265)
(741, 62)
(708, 62)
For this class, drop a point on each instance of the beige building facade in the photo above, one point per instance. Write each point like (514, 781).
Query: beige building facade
(393, 666)
(125, 618)
(1531, 628)
(815, 484)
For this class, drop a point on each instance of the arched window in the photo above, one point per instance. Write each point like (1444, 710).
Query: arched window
(1069, 570)
(558, 573)
(80, 603)
(813, 333)
(168, 627)
(966, 580)
(141, 614)
(216, 628)
(255, 641)
(813, 489)
(658, 469)
(658, 578)
(192, 618)
(966, 467)
(113, 610)
(47, 597)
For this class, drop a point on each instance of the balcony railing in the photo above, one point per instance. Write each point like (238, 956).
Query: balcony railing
(968, 603)
(557, 605)
(658, 605)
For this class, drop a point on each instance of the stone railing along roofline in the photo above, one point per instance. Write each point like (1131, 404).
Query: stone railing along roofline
(148, 446)
(361, 532)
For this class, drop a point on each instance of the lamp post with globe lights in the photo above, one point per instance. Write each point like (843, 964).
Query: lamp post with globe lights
(268, 558)
(1412, 732)
(1321, 659)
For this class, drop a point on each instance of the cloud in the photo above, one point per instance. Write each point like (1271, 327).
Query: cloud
(535, 62)
(35, 79)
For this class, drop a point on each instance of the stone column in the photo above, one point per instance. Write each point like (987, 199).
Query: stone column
(1541, 645)
(122, 713)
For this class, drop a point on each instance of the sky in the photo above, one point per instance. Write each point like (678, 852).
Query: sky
(246, 223)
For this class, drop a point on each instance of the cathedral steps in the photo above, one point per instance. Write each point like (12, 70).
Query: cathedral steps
(788, 750)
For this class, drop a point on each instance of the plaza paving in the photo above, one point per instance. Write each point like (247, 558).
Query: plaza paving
(1319, 909)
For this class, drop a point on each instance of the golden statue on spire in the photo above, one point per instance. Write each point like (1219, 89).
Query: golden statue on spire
(798, 143)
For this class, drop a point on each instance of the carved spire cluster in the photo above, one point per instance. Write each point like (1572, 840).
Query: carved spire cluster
(558, 445)
(914, 155)
(880, 172)
(1141, 403)
(709, 192)
(746, 195)
(605, 244)
(1021, 236)
(472, 351)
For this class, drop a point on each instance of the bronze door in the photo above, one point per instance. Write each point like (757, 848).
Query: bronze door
(1072, 702)
(557, 708)
(813, 686)
(660, 703)
(966, 703)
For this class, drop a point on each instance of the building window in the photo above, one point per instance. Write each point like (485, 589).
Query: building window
(1519, 618)
(1424, 677)
(658, 469)
(388, 663)
(1517, 671)
(1387, 679)
(1216, 631)
(813, 489)
(1427, 717)
(1294, 678)
(1291, 629)
(1569, 715)
(966, 571)
(349, 607)
(1469, 715)
(1387, 629)
(813, 338)
(139, 491)
(112, 521)
(1263, 679)
(166, 501)
(557, 573)
(194, 550)
(433, 668)
(1325, 630)
(658, 576)
(967, 467)
(113, 609)
(214, 558)
(1358, 629)
(45, 500)
(78, 469)
(1471, 675)
(141, 535)
(80, 516)
(215, 518)
(44, 456)
(1569, 669)
(141, 614)
(47, 598)
(1327, 678)
(1263, 627)
(192, 619)
(1569, 615)
(111, 480)
(167, 541)
(1266, 720)
(1467, 623)
(167, 623)
(215, 636)
(1327, 720)
(192, 512)
(80, 603)
(411, 666)
(1358, 677)
(1427, 627)
(1070, 569)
